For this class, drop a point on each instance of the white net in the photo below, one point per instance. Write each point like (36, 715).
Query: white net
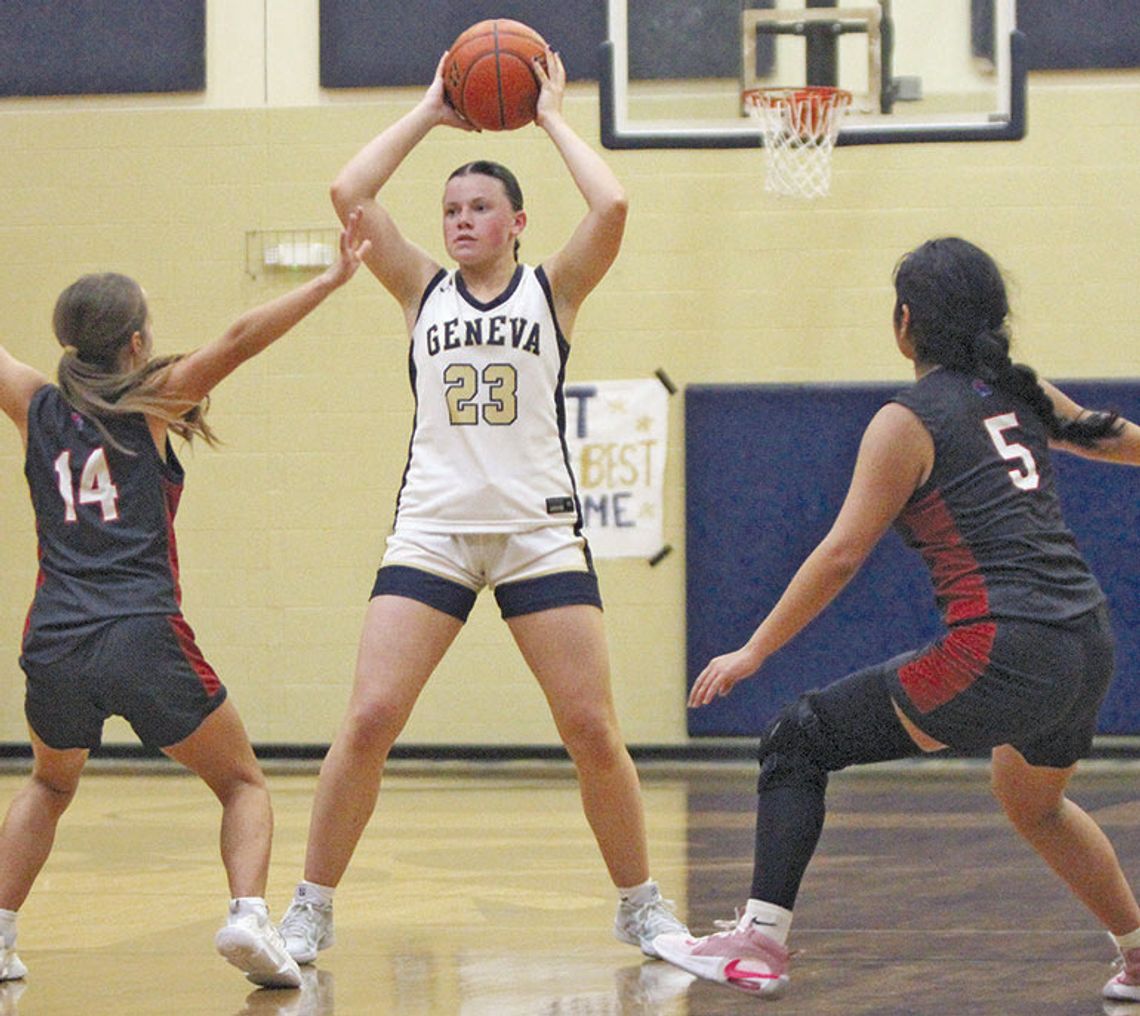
(800, 126)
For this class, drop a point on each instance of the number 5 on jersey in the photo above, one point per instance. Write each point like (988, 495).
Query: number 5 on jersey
(1013, 452)
(95, 485)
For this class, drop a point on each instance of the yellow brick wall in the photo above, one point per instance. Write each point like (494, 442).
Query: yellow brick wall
(281, 529)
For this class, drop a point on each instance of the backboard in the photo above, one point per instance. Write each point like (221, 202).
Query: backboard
(672, 71)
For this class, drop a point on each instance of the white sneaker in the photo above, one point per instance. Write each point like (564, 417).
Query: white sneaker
(1125, 985)
(307, 928)
(640, 925)
(11, 967)
(743, 958)
(253, 945)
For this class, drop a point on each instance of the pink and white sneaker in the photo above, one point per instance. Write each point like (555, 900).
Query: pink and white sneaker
(1125, 986)
(743, 958)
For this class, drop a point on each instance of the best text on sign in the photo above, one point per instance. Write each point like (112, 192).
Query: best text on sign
(616, 434)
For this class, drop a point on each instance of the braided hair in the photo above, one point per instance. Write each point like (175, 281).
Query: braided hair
(958, 319)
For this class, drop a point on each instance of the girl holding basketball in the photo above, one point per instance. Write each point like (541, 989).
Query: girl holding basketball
(105, 634)
(487, 498)
(960, 464)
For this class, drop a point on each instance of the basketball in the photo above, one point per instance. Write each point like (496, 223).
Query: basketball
(489, 77)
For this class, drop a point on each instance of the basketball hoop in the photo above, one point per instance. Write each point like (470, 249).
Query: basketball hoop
(800, 126)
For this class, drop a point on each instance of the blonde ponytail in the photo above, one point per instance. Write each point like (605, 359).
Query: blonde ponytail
(94, 320)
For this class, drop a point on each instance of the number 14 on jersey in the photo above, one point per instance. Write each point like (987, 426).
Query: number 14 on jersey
(95, 486)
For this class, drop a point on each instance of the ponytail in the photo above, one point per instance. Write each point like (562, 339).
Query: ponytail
(98, 394)
(94, 320)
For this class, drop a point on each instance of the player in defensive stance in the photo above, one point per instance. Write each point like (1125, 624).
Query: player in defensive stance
(487, 499)
(959, 463)
(105, 634)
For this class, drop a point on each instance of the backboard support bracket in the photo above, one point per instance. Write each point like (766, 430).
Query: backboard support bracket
(820, 28)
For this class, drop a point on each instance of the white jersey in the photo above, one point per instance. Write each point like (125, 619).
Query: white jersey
(488, 452)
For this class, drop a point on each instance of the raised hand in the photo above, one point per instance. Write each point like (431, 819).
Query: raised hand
(551, 76)
(353, 248)
(436, 99)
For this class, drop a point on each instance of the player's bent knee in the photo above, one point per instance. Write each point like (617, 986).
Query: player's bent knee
(58, 794)
(1026, 810)
(795, 749)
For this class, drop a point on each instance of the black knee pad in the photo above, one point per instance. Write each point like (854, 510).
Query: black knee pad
(850, 722)
(795, 749)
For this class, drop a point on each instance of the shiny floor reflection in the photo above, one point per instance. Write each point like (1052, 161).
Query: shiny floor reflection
(479, 892)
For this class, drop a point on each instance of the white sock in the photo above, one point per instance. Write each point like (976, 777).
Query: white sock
(1123, 942)
(243, 906)
(639, 895)
(775, 921)
(311, 892)
(7, 926)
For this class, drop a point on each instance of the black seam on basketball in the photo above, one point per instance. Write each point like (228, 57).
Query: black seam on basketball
(499, 80)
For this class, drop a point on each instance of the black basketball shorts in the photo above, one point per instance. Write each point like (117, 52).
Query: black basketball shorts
(146, 668)
(1037, 687)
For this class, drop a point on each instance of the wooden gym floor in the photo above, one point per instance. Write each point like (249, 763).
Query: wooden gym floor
(478, 891)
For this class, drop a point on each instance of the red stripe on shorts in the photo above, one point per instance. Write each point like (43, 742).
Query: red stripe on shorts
(185, 635)
(950, 667)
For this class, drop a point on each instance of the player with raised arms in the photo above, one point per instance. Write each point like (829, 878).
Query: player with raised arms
(105, 634)
(487, 499)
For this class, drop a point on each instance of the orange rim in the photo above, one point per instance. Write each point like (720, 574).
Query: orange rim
(774, 95)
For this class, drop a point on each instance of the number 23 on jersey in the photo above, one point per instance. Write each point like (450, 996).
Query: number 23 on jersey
(490, 395)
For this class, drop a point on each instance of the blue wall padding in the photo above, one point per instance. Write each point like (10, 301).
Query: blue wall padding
(766, 469)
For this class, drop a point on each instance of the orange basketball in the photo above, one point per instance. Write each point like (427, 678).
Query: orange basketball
(489, 77)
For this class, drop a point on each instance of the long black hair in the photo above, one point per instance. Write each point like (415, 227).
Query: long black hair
(485, 167)
(959, 319)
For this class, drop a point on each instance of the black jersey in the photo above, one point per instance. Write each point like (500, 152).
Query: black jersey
(104, 518)
(987, 521)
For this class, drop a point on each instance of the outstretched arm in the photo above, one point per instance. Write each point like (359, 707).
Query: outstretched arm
(403, 268)
(1123, 448)
(18, 383)
(193, 376)
(895, 456)
(579, 266)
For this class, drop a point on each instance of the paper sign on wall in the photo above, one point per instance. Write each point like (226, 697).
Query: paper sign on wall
(616, 432)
